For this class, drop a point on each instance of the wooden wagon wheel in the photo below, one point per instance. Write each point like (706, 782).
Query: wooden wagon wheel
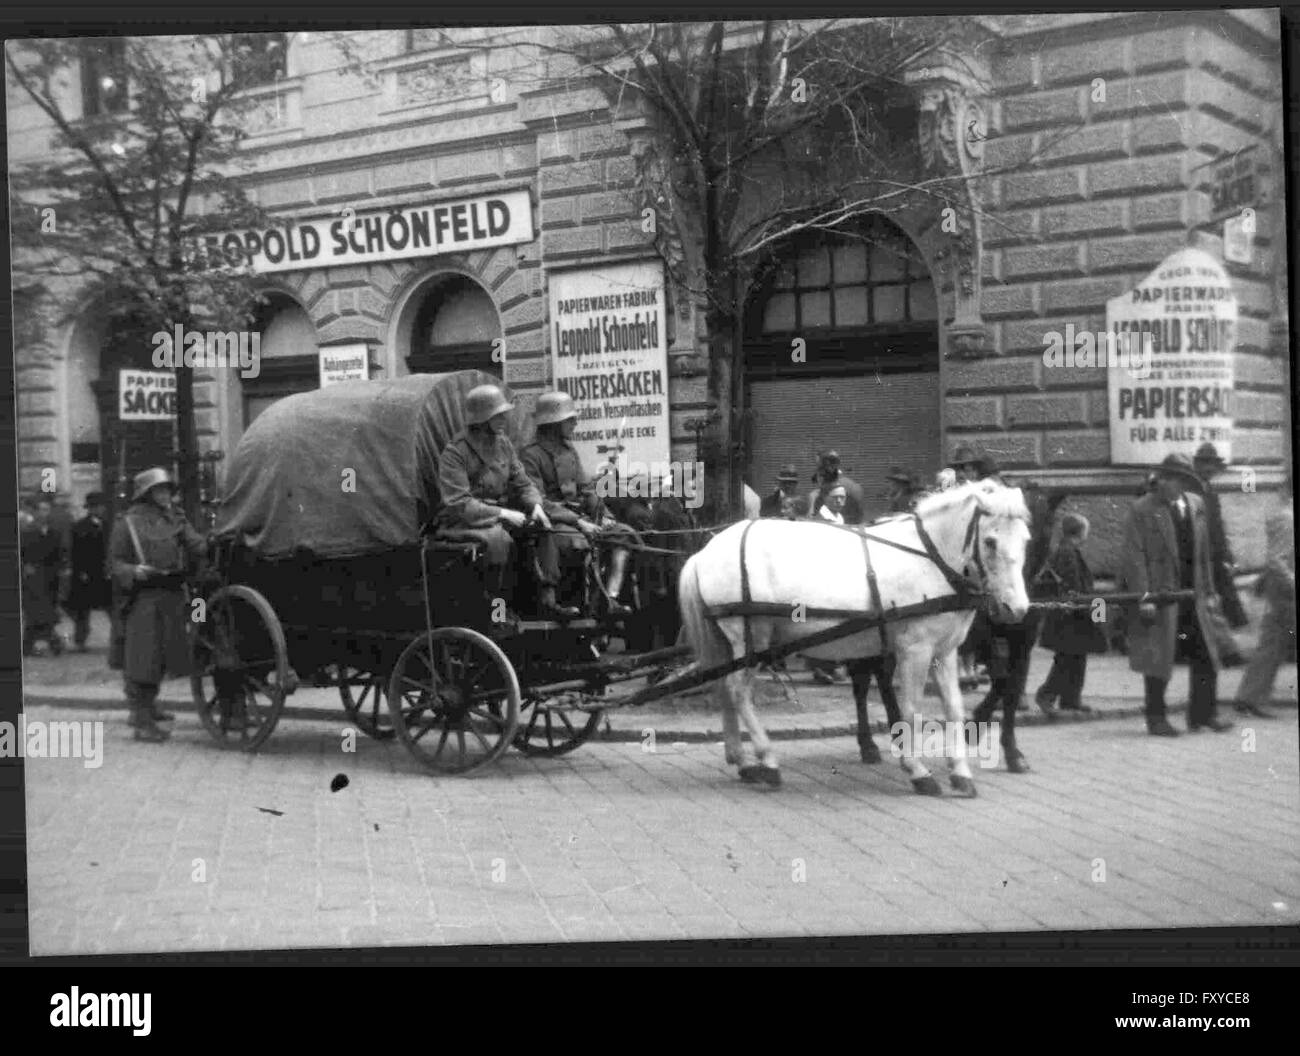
(555, 730)
(240, 668)
(363, 693)
(454, 700)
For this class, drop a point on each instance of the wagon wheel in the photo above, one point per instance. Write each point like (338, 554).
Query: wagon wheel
(363, 693)
(240, 668)
(454, 700)
(556, 730)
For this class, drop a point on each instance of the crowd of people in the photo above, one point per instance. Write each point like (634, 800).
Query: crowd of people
(1175, 541)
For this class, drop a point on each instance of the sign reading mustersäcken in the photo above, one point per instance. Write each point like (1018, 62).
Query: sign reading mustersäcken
(609, 350)
(1184, 314)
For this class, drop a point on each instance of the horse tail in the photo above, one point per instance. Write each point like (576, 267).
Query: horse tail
(706, 641)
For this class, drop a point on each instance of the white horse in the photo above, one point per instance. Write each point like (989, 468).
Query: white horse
(802, 577)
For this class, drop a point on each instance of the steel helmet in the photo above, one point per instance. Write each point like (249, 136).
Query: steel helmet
(484, 402)
(148, 480)
(555, 407)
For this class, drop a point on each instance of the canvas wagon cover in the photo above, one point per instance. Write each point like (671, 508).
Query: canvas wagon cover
(285, 486)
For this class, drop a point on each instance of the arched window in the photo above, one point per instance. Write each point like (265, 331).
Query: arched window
(456, 327)
(290, 359)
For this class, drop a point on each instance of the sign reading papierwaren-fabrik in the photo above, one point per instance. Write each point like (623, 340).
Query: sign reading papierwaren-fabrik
(609, 348)
(1185, 312)
(354, 237)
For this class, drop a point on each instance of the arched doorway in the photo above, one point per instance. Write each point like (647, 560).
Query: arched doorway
(451, 323)
(865, 380)
(290, 360)
(104, 452)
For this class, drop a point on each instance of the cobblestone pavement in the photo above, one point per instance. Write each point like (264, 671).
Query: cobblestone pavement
(186, 847)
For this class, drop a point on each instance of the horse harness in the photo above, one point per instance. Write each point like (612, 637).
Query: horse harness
(963, 589)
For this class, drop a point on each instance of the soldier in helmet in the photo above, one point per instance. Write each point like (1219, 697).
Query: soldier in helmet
(569, 497)
(486, 494)
(149, 554)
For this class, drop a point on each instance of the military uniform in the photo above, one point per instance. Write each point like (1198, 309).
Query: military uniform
(479, 474)
(153, 619)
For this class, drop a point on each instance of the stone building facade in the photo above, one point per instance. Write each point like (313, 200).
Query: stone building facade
(1075, 194)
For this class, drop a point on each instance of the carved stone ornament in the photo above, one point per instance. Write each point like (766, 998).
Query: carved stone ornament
(952, 128)
(437, 82)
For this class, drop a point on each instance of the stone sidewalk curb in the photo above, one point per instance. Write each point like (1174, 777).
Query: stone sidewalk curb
(100, 698)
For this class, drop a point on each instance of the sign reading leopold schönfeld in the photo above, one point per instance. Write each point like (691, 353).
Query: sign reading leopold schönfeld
(1185, 316)
(609, 348)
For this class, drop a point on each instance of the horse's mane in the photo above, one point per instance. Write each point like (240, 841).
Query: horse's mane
(998, 499)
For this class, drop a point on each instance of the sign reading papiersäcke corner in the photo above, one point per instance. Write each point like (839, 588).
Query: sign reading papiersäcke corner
(367, 237)
(146, 395)
(1185, 313)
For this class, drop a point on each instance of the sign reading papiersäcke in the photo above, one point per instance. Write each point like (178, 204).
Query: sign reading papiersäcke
(344, 363)
(358, 237)
(146, 395)
(609, 349)
(1240, 181)
(1185, 314)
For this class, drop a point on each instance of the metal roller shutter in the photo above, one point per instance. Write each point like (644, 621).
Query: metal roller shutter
(874, 423)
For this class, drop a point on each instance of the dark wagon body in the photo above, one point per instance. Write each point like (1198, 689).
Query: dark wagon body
(325, 573)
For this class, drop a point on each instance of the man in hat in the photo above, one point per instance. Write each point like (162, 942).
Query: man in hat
(828, 475)
(904, 490)
(151, 550)
(780, 502)
(1167, 548)
(1209, 465)
(968, 464)
(569, 498)
(90, 586)
(486, 495)
(44, 559)
(1277, 628)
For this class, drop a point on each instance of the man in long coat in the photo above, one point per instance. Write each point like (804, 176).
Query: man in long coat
(152, 549)
(90, 586)
(44, 560)
(486, 494)
(1167, 548)
(1278, 627)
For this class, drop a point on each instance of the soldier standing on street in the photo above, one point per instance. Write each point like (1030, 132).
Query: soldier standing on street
(151, 550)
(90, 586)
(569, 498)
(486, 494)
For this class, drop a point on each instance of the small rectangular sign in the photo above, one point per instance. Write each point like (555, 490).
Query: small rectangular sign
(1240, 181)
(344, 363)
(146, 395)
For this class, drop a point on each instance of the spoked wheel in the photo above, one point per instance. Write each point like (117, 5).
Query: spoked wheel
(550, 731)
(454, 700)
(240, 668)
(363, 693)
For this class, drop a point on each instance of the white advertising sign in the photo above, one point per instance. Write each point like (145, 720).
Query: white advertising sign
(1185, 316)
(146, 395)
(609, 349)
(344, 363)
(1239, 238)
(355, 237)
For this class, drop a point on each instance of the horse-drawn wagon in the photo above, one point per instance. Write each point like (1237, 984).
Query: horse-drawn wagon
(325, 570)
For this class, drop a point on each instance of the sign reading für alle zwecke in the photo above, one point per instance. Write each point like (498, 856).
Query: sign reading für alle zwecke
(609, 351)
(146, 395)
(1185, 314)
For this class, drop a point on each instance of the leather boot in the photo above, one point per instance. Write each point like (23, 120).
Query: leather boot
(552, 609)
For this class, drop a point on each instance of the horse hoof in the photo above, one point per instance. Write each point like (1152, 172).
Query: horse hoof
(765, 775)
(926, 786)
(963, 786)
(870, 754)
(1016, 763)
